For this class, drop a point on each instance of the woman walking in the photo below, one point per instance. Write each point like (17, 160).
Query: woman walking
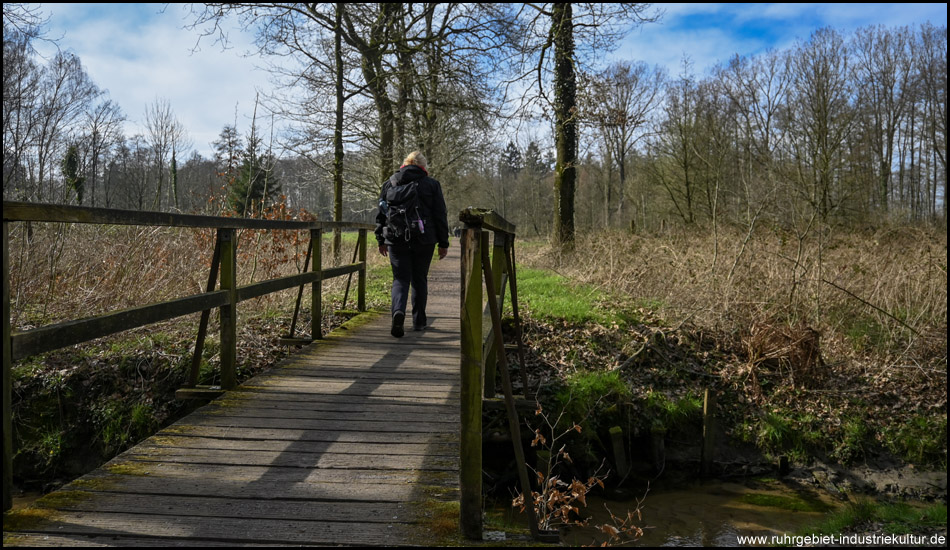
(411, 221)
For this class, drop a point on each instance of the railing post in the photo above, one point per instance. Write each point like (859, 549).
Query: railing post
(513, 424)
(316, 309)
(205, 316)
(7, 378)
(470, 464)
(499, 268)
(513, 287)
(361, 284)
(228, 238)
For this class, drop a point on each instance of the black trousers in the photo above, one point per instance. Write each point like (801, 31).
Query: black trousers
(410, 265)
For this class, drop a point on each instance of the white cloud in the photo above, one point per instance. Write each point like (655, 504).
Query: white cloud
(713, 33)
(139, 55)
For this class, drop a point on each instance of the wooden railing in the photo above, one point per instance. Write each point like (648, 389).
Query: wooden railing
(18, 345)
(482, 349)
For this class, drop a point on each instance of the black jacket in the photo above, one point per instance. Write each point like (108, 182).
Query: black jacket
(433, 205)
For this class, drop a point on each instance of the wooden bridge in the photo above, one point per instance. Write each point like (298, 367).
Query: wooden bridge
(355, 440)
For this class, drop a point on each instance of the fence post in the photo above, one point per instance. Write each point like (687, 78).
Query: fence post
(499, 268)
(316, 308)
(470, 449)
(361, 284)
(228, 239)
(513, 422)
(7, 378)
(709, 433)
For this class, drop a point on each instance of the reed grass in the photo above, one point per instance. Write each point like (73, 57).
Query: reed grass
(882, 293)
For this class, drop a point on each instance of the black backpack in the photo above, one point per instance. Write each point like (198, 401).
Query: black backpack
(404, 215)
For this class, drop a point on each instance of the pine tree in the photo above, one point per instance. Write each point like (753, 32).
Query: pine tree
(71, 173)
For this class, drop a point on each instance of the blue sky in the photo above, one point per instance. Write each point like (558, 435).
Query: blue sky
(140, 52)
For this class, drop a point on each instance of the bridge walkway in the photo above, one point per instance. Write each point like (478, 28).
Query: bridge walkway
(352, 441)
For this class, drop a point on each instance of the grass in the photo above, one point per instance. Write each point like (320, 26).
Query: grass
(550, 296)
(900, 271)
(891, 518)
(922, 440)
(876, 302)
(673, 414)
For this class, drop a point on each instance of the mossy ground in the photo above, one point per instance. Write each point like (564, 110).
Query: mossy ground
(607, 360)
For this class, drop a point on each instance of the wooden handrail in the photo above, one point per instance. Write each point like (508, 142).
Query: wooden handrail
(37, 212)
(224, 268)
(478, 357)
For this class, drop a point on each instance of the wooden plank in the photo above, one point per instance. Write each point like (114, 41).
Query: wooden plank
(224, 529)
(39, 212)
(300, 413)
(293, 434)
(342, 402)
(337, 369)
(334, 272)
(198, 393)
(355, 389)
(313, 446)
(262, 288)
(228, 312)
(361, 279)
(470, 468)
(291, 393)
(337, 445)
(326, 384)
(60, 335)
(329, 425)
(50, 540)
(316, 290)
(486, 219)
(211, 506)
(292, 459)
(262, 482)
(283, 283)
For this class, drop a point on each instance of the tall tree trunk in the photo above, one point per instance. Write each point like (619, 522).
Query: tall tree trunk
(338, 137)
(565, 123)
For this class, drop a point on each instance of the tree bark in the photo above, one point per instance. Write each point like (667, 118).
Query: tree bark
(565, 123)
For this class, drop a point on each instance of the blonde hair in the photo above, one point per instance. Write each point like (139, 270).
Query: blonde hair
(415, 158)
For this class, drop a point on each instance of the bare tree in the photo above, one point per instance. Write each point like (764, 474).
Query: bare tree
(821, 116)
(167, 137)
(550, 49)
(619, 101)
(930, 51)
(884, 69)
(65, 93)
(102, 131)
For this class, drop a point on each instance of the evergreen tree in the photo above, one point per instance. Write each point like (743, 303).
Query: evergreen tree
(255, 186)
(71, 173)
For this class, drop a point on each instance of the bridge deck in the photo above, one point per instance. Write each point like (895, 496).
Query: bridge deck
(352, 441)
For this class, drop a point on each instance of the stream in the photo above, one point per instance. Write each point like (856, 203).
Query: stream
(714, 513)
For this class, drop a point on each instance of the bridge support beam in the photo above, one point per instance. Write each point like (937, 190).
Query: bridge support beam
(228, 239)
(470, 467)
(316, 299)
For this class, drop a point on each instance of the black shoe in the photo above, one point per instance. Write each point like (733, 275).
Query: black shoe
(417, 328)
(398, 319)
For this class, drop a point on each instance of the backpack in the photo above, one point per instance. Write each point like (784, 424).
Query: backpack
(403, 212)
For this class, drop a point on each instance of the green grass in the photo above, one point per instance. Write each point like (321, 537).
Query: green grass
(778, 434)
(551, 297)
(668, 414)
(922, 440)
(588, 387)
(896, 518)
